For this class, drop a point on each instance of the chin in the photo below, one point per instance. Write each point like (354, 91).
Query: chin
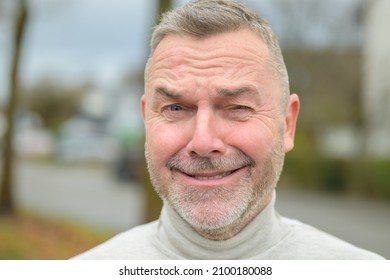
(210, 210)
(211, 219)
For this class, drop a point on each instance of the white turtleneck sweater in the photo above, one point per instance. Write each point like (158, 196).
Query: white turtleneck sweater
(268, 236)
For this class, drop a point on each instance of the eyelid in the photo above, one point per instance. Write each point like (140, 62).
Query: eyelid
(238, 112)
(240, 107)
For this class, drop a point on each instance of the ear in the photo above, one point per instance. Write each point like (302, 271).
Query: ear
(291, 117)
(143, 105)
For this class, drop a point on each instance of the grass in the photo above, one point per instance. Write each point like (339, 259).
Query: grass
(26, 237)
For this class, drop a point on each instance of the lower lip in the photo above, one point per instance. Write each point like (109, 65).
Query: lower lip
(212, 183)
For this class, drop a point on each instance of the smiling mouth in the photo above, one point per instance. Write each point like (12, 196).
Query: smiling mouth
(215, 176)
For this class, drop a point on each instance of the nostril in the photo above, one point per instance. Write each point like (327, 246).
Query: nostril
(206, 136)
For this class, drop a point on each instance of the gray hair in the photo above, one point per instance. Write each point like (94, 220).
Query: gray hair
(204, 18)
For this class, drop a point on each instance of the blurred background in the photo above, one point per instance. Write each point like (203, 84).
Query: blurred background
(71, 77)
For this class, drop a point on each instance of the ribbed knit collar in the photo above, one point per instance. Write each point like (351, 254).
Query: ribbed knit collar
(179, 240)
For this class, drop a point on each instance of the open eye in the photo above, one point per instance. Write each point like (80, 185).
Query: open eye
(175, 108)
(175, 112)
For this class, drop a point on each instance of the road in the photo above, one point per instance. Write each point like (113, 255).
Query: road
(91, 195)
(85, 194)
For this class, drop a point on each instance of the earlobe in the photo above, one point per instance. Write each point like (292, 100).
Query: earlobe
(290, 122)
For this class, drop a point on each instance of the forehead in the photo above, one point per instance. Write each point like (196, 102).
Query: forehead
(235, 49)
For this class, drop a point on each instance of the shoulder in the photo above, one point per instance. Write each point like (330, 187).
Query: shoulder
(136, 243)
(308, 242)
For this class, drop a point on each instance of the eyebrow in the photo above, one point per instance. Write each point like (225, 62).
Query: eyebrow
(162, 91)
(236, 91)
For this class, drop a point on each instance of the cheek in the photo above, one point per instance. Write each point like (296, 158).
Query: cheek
(163, 142)
(254, 141)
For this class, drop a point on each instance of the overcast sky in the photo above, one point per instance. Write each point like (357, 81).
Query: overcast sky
(96, 40)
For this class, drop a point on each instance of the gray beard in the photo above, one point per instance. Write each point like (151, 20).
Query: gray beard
(242, 201)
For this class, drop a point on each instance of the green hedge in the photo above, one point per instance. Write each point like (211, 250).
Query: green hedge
(363, 176)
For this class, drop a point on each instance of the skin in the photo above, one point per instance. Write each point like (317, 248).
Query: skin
(216, 132)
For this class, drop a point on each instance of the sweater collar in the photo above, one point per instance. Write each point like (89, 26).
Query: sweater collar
(179, 240)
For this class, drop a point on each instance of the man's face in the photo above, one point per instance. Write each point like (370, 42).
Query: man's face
(216, 133)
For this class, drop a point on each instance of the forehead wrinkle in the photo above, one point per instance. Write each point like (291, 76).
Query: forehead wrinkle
(188, 58)
(176, 50)
(232, 69)
(179, 61)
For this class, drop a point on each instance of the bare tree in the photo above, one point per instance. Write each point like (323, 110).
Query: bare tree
(6, 199)
(304, 24)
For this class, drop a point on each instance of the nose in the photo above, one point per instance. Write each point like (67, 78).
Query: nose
(206, 139)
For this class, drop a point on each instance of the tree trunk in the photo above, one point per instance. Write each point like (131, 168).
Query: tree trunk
(6, 198)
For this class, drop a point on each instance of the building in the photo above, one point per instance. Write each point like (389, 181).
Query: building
(376, 92)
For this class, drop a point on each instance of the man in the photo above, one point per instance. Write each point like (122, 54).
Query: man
(219, 119)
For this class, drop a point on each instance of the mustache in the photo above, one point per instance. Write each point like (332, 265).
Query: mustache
(196, 163)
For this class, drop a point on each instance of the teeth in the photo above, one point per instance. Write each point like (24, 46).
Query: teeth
(214, 177)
